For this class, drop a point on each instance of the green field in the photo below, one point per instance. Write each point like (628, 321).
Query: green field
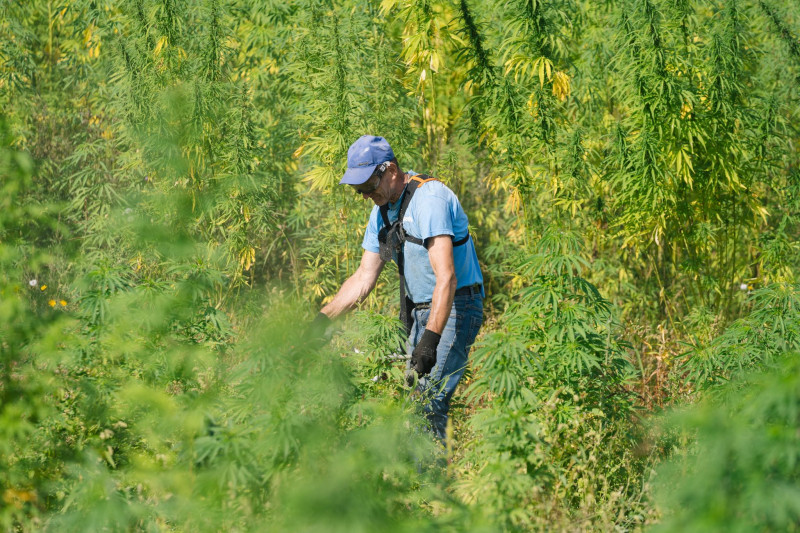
(170, 223)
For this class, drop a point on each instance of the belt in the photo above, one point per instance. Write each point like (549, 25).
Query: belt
(469, 290)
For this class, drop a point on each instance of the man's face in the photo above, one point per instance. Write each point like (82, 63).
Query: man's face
(374, 187)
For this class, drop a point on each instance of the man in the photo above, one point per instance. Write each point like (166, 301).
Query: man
(437, 262)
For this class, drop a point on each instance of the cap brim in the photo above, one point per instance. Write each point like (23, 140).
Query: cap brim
(357, 176)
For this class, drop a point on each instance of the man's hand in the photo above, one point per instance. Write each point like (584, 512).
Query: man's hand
(356, 287)
(423, 358)
(315, 333)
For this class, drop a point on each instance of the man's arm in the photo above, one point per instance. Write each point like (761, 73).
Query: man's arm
(440, 253)
(357, 286)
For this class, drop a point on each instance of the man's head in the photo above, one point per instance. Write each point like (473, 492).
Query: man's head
(364, 156)
(372, 170)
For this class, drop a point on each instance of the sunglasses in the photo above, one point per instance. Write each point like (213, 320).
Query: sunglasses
(369, 189)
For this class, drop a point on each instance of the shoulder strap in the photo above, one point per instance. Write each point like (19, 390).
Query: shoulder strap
(408, 193)
(422, 179)
(384, 211)
(419, 180)
(406, 305)
(411, 187)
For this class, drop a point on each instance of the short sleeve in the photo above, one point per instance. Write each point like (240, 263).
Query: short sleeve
(433, 217)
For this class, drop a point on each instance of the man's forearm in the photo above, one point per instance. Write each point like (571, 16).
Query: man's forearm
(440, 252)
(352, 291)
(441, 303)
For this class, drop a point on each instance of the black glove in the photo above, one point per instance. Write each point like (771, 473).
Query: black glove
(423, 358)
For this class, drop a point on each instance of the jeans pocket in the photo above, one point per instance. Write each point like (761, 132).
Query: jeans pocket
(475, 325)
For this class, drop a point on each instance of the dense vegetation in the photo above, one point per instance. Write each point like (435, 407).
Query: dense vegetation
(169, 221)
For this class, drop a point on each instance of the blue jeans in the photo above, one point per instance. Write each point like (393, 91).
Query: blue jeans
(466, 317)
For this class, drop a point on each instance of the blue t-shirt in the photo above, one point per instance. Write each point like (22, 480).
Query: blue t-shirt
(434, 210)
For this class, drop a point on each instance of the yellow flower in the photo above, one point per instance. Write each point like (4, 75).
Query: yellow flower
(51, 303)
(44, 287)
(63, 303)
(561, 86)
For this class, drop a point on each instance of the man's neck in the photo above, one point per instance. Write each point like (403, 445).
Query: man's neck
(396, 197)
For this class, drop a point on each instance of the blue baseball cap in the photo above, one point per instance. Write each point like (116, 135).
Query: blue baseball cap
(363, 156)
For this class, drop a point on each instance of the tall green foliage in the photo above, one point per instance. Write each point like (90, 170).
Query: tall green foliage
(26, 380)
(552, 378)
(740, 472)
(179, 197)
(756, 341)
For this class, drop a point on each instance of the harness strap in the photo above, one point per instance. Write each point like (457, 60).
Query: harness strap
(384, 210)
(459, 242)
(408, 193)
(406, 305)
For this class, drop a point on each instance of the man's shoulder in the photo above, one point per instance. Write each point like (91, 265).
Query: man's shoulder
(435, 189)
